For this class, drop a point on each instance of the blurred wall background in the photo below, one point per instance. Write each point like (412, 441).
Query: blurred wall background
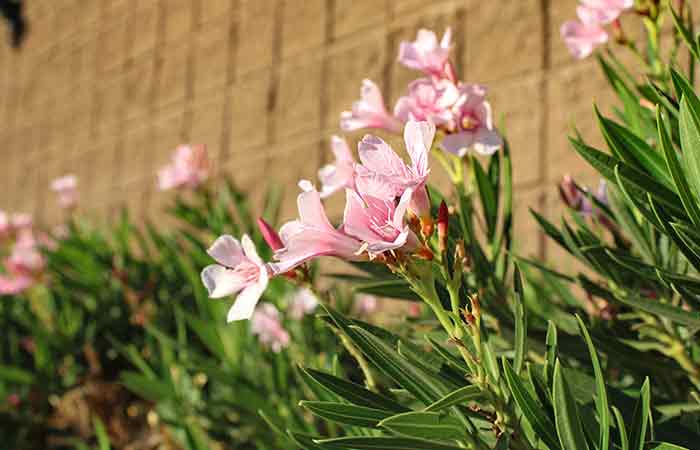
(106, 89)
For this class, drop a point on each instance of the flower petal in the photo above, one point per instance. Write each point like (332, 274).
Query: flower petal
(220, 281)
(243, 307)
(227, 251)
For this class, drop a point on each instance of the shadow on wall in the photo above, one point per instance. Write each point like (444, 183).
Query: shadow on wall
(12, 12)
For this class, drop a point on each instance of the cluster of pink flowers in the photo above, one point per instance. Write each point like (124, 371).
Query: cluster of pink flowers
(66, 188)
(381, 194)
(22, 262)
(459, 110)
(584, 35)
(188, 168)
(301, 303)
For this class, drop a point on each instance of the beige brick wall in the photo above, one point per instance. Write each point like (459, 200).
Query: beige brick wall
(106, 89)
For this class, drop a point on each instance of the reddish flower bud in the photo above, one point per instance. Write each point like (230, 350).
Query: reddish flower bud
(442, 226)
(270, 235)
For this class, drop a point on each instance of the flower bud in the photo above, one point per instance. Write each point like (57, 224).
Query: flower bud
(442, 226)
(270, 235)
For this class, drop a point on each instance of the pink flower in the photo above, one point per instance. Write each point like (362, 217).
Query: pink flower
(382, 167)
(25, 255)
(428, 100)
(582, 39)
(239, 270)
(472, 128)
(378, 222)
(189, 168)
(601, 12)
(312, 235)
(67, 189)
(426, 53)
(266, 324)
(369, 112)
(15, 284)
(365, 304)
(301, 303)
(21, 221)
(339, 175)
(576, 197)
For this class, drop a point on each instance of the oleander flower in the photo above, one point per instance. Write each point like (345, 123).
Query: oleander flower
(581, 39)
(602, 12)
(369, 112)
(239, 270)
(188, 168)
(576, 197)
(312, 235)
(364, 304)
(428, 100)
(267, 326)
(23, 265)
(383, 168)
(426, 53)
(66, 188)
(301, 303)
(340, 174)
(378, 222)
(472, 128)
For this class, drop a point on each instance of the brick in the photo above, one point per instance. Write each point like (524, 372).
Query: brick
(112, 46)
(178, 19)
(207, 123)
(249, 110)
(212, 10)
(143, 28)
(515, 25)
(137, 161)
(257, 18)
(110, 99)
(572, 93)
(299, 106)
(303, 25)
(521, 118)
(351, 16)
(527, 236)
(347, 67)
(173, 73)
(212, 55)
(139, 89)
(168, 133)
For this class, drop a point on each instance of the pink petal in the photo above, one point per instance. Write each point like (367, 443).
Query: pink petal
(227, 251)
(487, 142)
(250, 251)
(220, 281)
(418, 137)
(246, 301)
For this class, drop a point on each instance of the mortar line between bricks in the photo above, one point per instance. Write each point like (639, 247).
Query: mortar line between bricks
(153, 91)
(388, 42)
(328, 38)
(193, 35)
(546, 11)
(232, 56)
(273, 91)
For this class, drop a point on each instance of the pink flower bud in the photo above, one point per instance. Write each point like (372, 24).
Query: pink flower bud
(270, 235)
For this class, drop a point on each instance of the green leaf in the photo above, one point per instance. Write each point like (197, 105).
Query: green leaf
(383, 443)
(425, 425)
(679, 178)
(621, 429)
(671, 312)
(641, 418)
(461, 395)
(145, 387)
(566, 414)
(667, 446)
(689, 125)
(354, 393)
(489, 201)
(353, 415)
(520, 321)
(532, 411)
(16, 375)
(551, 356)
(101, 434)
(638, 183)
(633, 150)
(685, 34)
(601, 397)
